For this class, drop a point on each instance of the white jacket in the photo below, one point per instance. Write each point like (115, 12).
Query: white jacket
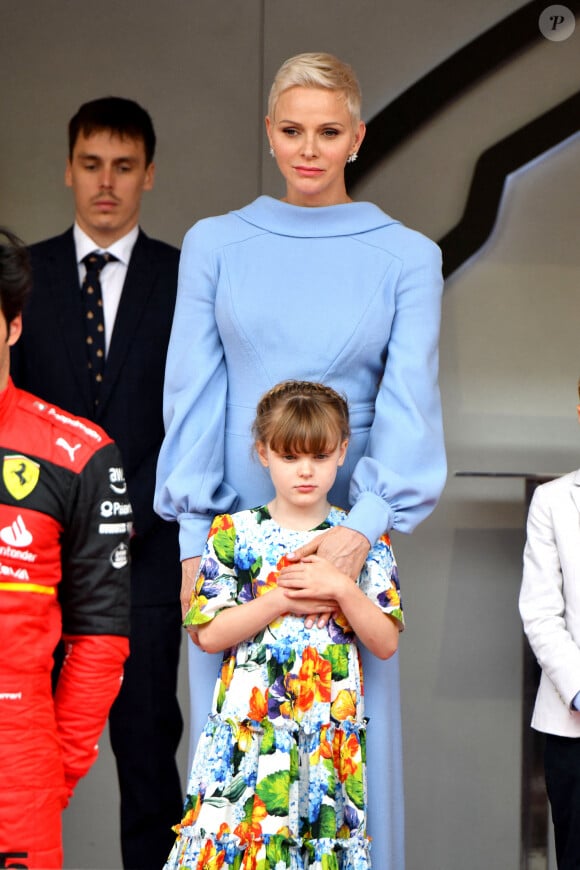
(550, 601)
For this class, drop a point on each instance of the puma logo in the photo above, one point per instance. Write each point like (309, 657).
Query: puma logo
(60, 442)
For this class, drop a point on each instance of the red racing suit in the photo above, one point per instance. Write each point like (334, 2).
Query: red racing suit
(64, 573)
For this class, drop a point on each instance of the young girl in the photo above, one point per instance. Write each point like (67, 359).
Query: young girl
(278, 780)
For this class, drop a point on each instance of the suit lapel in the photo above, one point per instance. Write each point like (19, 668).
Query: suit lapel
(63, 277)
(137, 288)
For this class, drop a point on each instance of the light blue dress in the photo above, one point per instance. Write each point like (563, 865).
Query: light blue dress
(341, 294)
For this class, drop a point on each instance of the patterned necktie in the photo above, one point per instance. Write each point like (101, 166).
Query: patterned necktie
(94, 321)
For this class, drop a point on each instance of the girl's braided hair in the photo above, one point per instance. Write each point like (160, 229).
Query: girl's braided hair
(301, 417)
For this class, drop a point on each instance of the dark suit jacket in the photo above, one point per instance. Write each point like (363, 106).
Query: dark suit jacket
(50, 361)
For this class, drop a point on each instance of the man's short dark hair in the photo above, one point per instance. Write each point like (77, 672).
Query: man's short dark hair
(124, 118)
(15, 275)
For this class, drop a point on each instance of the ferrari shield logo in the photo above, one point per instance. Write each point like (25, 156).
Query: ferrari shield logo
(20, 475)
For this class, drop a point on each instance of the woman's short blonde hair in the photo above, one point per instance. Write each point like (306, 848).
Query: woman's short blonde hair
(317, 70)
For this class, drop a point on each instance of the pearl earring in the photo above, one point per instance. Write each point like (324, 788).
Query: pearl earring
(272, 152)
(352, 157)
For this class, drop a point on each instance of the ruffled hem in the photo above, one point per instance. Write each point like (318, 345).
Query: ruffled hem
(308, 728)
(269, 852)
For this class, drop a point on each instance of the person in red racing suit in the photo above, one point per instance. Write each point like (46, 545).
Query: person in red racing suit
(64, 527)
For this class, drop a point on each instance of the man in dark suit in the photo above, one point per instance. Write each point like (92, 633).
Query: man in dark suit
(110, 164)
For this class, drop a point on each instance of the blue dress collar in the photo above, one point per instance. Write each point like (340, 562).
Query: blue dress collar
(284, 219)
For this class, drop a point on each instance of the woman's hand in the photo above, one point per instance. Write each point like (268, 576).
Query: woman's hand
(345, 548)
(189, 569)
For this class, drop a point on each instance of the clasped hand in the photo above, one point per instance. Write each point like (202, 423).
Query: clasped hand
(312, 586)
(345, 550)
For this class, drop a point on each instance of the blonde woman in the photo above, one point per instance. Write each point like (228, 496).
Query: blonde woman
(316, 287)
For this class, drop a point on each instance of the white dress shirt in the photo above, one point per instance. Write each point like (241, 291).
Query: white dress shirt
(113, 277)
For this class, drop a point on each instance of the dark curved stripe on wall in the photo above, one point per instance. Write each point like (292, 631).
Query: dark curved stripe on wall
(491, 170)
(442, 85)
(401, 118)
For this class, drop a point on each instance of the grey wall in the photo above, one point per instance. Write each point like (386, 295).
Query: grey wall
(509, 357)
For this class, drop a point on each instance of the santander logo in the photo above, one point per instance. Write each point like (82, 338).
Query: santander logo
(16, 535)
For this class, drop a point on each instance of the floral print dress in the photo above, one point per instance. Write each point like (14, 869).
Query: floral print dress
(278, 780)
